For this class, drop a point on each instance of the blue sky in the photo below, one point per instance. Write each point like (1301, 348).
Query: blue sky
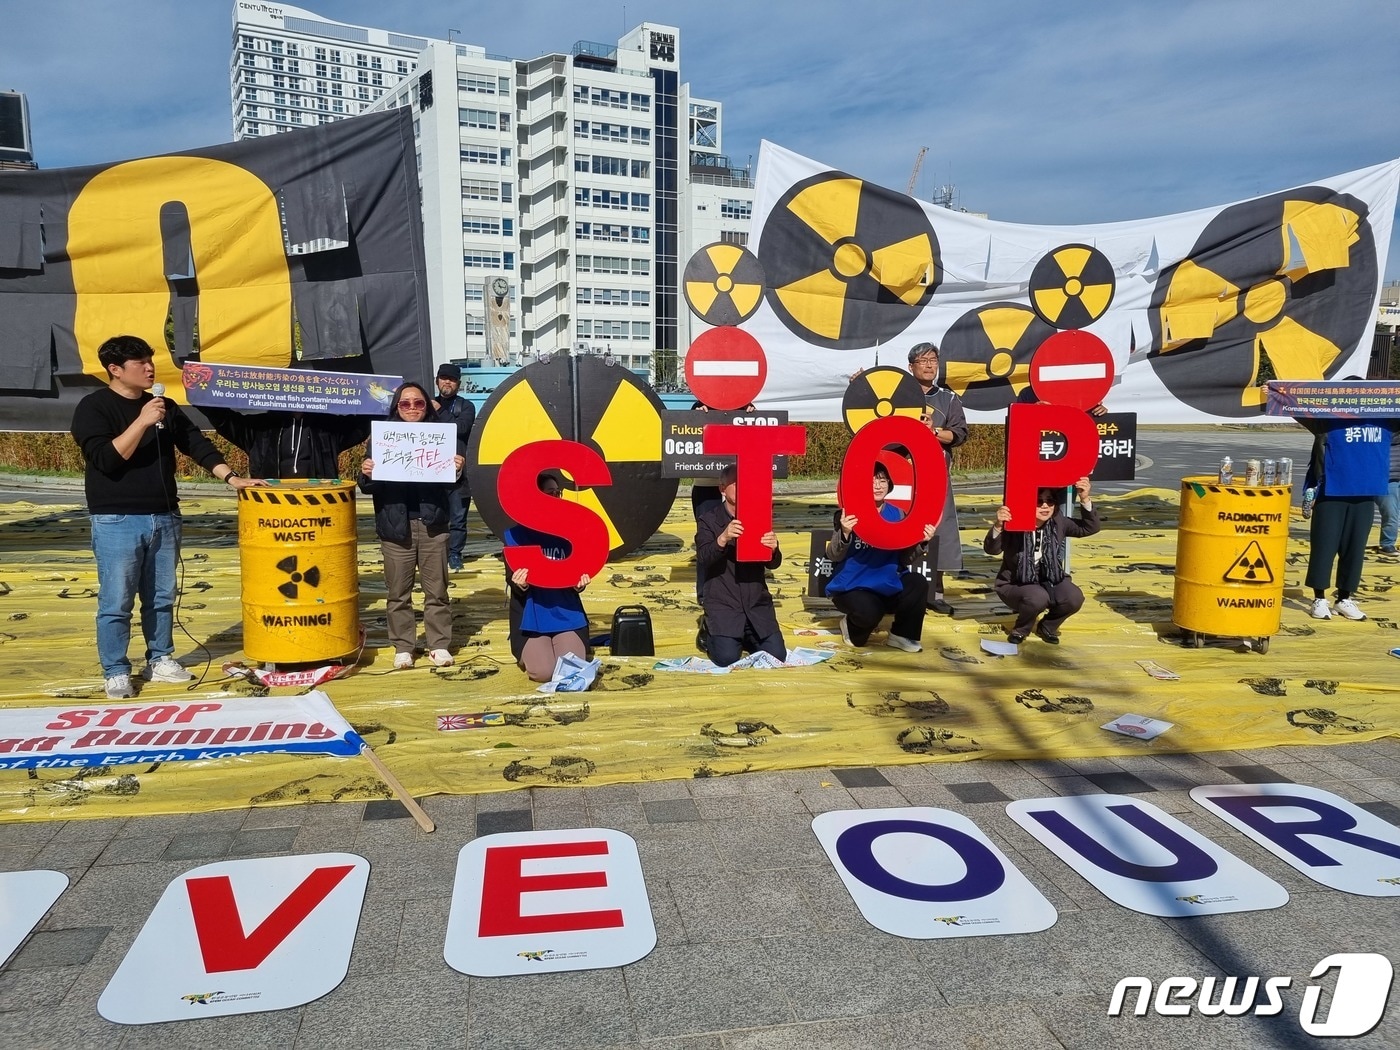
(1038, 112)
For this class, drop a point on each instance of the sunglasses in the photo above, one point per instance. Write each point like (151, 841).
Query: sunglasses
(1046, 502)
(412, 402)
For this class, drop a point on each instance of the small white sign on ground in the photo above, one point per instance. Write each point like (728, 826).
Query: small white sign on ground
(1143, 858)
(929, 873)
(241, 936)
(543, 901)
(1327, 838)
(25, 898)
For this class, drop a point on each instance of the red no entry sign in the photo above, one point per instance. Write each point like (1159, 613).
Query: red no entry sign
(1072, 368)
(726, 368)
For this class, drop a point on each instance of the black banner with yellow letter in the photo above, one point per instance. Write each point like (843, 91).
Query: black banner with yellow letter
(277, 252)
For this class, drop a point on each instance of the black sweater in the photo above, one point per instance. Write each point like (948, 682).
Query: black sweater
(145, 483)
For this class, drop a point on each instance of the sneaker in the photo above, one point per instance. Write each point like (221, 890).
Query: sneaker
(439, 658)
(1390, 550)
(403, 661)
(1046, 636)
(845, 632)
(119, 687)
(1348, 608)
(896, 641)
(165, 669)
(454, 564)
(941, 607)
(1321, 610)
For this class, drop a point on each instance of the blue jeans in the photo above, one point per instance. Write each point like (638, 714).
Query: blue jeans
(136, 555)
(1390, 515)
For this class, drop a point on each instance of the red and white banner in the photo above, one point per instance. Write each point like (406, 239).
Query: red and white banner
(241, 936)
(89, 735)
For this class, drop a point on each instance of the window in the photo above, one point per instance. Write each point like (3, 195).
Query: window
(641, 202)
(608, 97)
(480, 191)
(361, 60)
(477, 118)
(481, 260)
(337, 106)
(609, 165)
(505, 121)
(321, 69)
(362, 93)
(474, 293)
(738, 237)
(508, 260)
(376, 62)
(580, 129)
(336, 73)
(279, 114)
(320, 54)
(641, 102)
(505, 154)
(481, 224)
(641, 298)
(580, 194)
(279, 82)
(480, 155)
(401, 66)
(580, 93)
(609, 199)
(292, 49)
(293, 66)
(641, 329)
(641, 234)
(254, 131)
(507, 227)
(582, 161)
(609, 132)
(337, 91)
(476, 325)
(583, 263)
(276, 47)
(279, 98)
(506, 193)
(476, 83)
(279, 65)
(249, 60)
(247, 42)
(609, 264)
(641, 169)
(641, 136)
(641, 266)
(335, 55)
(736, 209)
(362, 76)
(503, 85)
(250, 94)
(377, 79)
(322, 104)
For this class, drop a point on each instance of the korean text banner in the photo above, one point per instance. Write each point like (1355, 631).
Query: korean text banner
(1199, 309)
(295, 250)
(93, 735)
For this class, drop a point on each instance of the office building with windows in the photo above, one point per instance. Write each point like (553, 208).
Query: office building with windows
(561, 194)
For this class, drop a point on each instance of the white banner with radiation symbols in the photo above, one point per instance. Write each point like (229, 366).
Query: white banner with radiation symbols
(1199, 309)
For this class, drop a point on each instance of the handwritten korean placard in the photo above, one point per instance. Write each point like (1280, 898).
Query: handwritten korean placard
(413, 451)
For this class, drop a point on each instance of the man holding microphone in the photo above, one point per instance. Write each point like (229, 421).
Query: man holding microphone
(128, 438)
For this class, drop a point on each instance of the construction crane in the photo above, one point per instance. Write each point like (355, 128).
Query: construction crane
(914, 175)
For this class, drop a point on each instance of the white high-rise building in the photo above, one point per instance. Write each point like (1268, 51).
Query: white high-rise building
(561, 194)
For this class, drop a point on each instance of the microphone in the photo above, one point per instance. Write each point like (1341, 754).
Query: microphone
(158, 390)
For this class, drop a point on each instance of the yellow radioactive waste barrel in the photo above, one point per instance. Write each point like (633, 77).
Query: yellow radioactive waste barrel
(1231, 543)
(301, 589)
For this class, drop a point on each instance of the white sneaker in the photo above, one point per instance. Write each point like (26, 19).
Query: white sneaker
(119, 687)
(1348, 608)
(896, 641)
(1321, 610)
(845, 631)
(165, 669)
(440, 658)
(403, 661)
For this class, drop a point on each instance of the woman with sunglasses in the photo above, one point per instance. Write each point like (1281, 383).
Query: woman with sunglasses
(1032, 579)
(412, 519)
(546, 622)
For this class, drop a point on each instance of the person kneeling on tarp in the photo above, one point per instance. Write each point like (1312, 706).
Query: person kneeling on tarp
(551, 619)
(1032, 579)
(734, 594)
(868, 582)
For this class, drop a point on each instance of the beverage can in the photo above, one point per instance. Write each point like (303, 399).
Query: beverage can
(1251, 472)
(1227, 471)
(1270, 472)
(1285, 471)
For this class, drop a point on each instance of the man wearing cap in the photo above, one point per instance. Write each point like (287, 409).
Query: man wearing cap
(943, 412)
(453, 408)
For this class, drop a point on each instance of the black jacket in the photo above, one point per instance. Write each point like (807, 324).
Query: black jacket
(458, 410)
(398, 502)
(290, 445)
(732, 591)
(1010, 544)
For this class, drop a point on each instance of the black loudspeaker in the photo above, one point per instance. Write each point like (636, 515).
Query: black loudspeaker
(631, 631)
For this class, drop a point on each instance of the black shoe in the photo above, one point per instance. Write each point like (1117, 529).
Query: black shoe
(1046, 636)
(1015, 638)
(941, 607)
(702, 636)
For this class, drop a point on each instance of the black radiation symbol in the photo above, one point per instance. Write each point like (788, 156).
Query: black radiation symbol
(723, 284)
(1276, 288)
(619, 418)
(1250, 567)
(1072, 286)
(986, 354)
(880, 392)
(848, 264)
(311, 577)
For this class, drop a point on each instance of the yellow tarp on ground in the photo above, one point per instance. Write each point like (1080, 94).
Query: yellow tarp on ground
(1320, 682)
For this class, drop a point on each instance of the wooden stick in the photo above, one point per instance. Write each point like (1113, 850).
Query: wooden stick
(409, 802)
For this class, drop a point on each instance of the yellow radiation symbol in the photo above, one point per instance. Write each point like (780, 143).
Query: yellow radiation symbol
(1275, 288)
(723, 284)
(617, 416)
(880, 392)
(1072, 286)
(848, 264)
(986, 354)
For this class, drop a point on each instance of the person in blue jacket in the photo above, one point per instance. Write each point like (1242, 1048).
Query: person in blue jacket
(868, 582)
(552, 621)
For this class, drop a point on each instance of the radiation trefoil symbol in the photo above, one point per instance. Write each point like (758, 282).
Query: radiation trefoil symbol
(1250, 567)
(311, 577)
